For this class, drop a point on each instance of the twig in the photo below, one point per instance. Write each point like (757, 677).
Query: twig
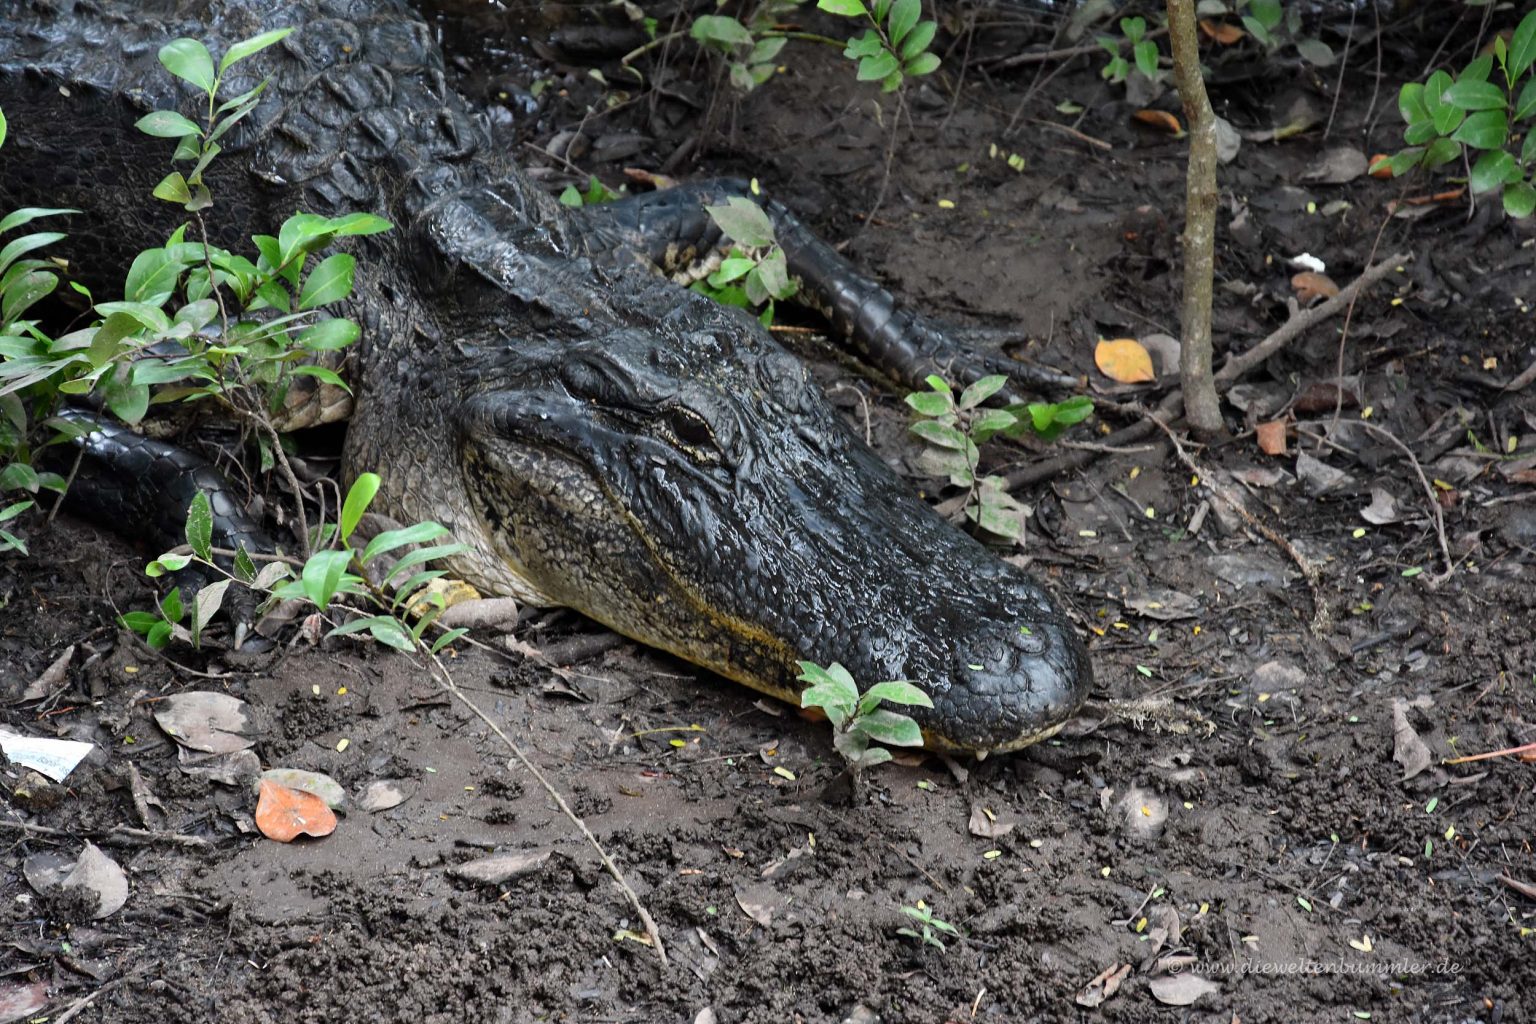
(79, 1005)
(1529, 748)
(445, 680)
(1237, 365)
(1321, 620)
(145, 834)
(1066, 54)
(1429, 492)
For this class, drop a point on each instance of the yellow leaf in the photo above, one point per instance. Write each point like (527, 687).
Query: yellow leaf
(1124, 360)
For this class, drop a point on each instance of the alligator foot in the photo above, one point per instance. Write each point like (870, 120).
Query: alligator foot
(672, 229)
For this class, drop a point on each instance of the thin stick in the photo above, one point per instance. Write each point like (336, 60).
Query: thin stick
(1429, 492)
(1237, 365)
(144, 834)
(1321, 620)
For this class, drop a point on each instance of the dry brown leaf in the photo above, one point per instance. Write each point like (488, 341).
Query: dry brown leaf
(1220, 31)
(989, 826)
(284, 814)
(1271, 437)
(1125, 360)
(1160, 119)
(1181, 989)
(1311, 285)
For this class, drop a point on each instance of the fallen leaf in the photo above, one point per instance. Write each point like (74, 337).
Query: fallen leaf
(1102, 987)
(1220, 31)
(1271, 437)
(1382, 510)
(314, 783)
(1124, 360)
(98, 873)
(1181, 989)
(1407, 749)
(762, 913)
(20, 1000)
(284, 814)
(47, 868)
(988, 826)
(1336, 166)
(233, 769)
(1163, 604)
(203, 720)
(1310, 285)
(383, 794)
(1318, 477)
(500, 868)
(51, 678)
(1160, 119)
(1166, 348)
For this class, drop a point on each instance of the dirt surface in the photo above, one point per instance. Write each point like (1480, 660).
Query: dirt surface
(1242, 832)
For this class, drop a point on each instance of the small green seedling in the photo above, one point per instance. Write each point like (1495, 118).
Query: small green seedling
(896, 44)
(1143, 50)
(1479, 111)
(956, 425)
(594, 194)
(931, 926)
(750, 51)
(857, 718)
(755, 272)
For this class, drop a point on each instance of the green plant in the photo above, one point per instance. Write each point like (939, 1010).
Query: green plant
(1143, 51)
(895, 45)
(857, 718)
(956, 425)
(754, 271)
(749, 49)
(931, 926)
(240, 328)
(325, 576)
(1478, 111)
(594, 194)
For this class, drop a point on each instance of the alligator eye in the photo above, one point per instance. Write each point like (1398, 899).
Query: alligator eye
(690, 428)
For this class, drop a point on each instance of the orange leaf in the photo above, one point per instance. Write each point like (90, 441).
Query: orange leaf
(1125, 360)
(1271, 437)
(285, 814)
(1220, 31)
(1160, 119)
(1310, 285)
(1381, 166)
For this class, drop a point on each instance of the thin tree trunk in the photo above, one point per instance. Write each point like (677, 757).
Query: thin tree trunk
(1201, 405)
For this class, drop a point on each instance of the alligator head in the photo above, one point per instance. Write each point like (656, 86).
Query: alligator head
(693, 489)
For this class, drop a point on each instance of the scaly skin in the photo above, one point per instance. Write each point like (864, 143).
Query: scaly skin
(600, 438)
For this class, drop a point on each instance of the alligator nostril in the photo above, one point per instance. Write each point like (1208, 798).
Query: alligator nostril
(1030, 641)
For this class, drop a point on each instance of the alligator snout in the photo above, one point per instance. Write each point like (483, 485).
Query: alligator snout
(1015, 683)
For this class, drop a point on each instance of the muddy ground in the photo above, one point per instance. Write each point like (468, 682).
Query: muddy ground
(1249, 828)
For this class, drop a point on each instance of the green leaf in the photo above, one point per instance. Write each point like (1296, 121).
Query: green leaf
(1268, 12)
(200, 526)
(1420, 133)
(389, 540)
(833, 683)
(991, 423)
(1525, 106)
(330, 281)
(571, 197)
(245, 568)
(359, 497)
(167, 562)
(904, 15)
(138, 622)
(170, 606)
(731, 268)
(1410, 103)
(1145, 53)
(18, 247)
(1478, 70)
(16, 218)
(205, 606)
(982, 390)
(359, 224)
(128, 401)
(742, 221)
(255, 44)
(422, 555)
(166, 124)
(918, 40)
(1407, 160)
(872, 69)
(188, 59)
(1475, 95)
(1486, 129)
(24, 291)
(890, 727)
(866, 45)
(845, 8)
(1133, 29)
(715, 28)
(1447, 118)
(931, 403)
(4, 128)
(940, 434)
(1316, 52)
(322, 575)
(1441, 152)
(1519, 199)
(152, 277)
(329, 335)
(1522, 47)
(897, 691)
(447, 638)
(772, 273)
(1491, 170)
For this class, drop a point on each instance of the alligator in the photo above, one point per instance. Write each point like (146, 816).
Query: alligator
(598, 437)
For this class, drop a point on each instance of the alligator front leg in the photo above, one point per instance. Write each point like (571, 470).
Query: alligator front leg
(672, 230)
